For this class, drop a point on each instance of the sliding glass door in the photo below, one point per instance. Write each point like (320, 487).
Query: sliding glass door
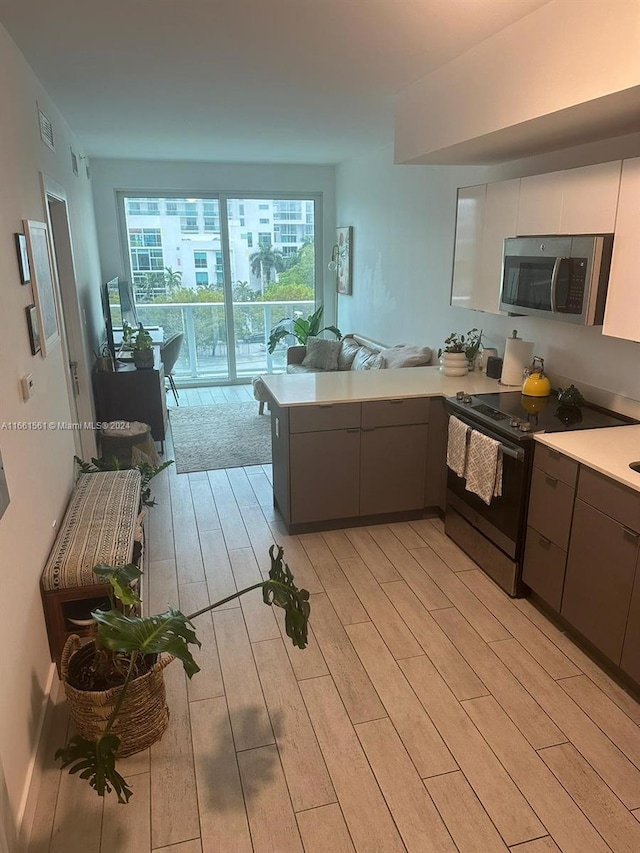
(223, 270)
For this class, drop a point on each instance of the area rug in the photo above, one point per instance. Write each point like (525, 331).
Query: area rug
(226, 435)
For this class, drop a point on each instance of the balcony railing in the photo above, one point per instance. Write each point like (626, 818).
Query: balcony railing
(204, 353)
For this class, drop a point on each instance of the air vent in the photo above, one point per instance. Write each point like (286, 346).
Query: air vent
(46, 130)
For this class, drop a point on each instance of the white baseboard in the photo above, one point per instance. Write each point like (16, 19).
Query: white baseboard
(29, 799)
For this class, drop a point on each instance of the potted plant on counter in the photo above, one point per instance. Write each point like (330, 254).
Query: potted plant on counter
(459, 352)
(114, 684)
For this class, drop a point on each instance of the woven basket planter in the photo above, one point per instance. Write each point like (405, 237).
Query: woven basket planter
(143, 716)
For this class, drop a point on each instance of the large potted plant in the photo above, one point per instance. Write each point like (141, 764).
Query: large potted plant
(114, 684)
(300, 328)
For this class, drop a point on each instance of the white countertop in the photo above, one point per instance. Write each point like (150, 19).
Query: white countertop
(356, 386)
(608, 451)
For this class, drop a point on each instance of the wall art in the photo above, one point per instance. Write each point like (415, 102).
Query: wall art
(34, 330)
(23, 258)
(43, 283)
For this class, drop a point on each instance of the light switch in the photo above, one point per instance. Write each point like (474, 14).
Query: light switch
(27, 386)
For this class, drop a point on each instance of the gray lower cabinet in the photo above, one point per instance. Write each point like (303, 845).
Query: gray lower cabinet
(600, 577)
(582, 554)
(325, 472)
(630, 662)
(348, 460)
(551, 502)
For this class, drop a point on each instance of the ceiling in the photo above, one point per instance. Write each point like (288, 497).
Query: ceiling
(278, 81)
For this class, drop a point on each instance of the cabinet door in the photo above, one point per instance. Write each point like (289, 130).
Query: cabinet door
(540, 204)
(599, 578)
(622, 311)
(393, 469)
(630, 662)
(324, 470)
(590, 199)
(500, 220)
(468, 246)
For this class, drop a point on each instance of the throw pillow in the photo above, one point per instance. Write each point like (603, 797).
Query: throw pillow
(348, 351)
(321, 354)
(367, 359)
(406, 356)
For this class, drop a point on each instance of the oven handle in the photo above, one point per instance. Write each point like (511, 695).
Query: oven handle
(507, 450)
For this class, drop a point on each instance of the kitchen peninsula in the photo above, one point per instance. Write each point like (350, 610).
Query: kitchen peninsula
(352, 447)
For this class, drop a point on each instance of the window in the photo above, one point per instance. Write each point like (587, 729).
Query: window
(188, 224)
(264, 238)
(143, 207)
(249, 240)
(147, 260)
(202, 279)
(263, 207)
(242, 221)
(145, 237)
(288, 234)
(200, 260)
(181, 207)
(289, 251)
(219, 267)
(287, 210)
(264, 222)
(211, 216)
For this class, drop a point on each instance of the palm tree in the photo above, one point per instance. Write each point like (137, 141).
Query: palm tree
(264, 262)
(242, 292)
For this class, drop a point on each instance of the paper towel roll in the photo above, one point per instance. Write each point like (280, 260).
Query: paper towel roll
(517, 356)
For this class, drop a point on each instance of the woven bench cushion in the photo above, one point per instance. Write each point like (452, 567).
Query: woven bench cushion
(99, 526)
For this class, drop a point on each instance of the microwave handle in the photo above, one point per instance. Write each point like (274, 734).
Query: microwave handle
(554, 284)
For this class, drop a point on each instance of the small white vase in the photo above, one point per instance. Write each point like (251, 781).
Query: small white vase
(454, 364)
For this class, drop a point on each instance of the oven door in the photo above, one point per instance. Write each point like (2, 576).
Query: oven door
(502, 521)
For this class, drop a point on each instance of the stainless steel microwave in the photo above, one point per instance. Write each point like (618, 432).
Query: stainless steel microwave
(557, 277)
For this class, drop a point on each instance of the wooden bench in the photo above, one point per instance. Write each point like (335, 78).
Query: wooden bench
(102, 524)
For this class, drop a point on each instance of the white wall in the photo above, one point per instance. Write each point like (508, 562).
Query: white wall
(565, 54)
(404, 224)
(110, 176)
(38, 463)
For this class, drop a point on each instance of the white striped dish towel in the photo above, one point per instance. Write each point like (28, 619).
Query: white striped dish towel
(457, 446)
(484, 467)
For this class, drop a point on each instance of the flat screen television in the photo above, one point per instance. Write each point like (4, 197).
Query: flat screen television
(106, 310)
(127, 303)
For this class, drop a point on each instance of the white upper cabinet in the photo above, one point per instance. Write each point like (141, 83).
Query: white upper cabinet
(468, 246)
(575, 201)
(486, 215)
(590, 199)
(540, 204)
(500, 215)
(622, 312)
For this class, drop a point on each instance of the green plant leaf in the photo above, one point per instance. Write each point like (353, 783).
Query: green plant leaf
(120, 578)
(334, 329)
(281, 591)
(95, 761)
(169, 632)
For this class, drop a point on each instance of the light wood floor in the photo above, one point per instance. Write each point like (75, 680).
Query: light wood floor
(429, 712)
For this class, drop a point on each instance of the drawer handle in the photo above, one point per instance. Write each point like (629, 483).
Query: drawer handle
(353, 429)
(546, 543)
(368, 429)
(325, 406)
(396, 402)
(554, 454)
(632, 533)
(552, 481)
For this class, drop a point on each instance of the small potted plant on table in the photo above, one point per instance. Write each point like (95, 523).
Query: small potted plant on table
(142, 344)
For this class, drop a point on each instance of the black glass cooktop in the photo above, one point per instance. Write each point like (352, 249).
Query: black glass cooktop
(541, 414)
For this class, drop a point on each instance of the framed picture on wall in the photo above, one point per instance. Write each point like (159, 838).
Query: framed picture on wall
(23, 259)
(34, 330)
(344, 240)
(42, 281)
